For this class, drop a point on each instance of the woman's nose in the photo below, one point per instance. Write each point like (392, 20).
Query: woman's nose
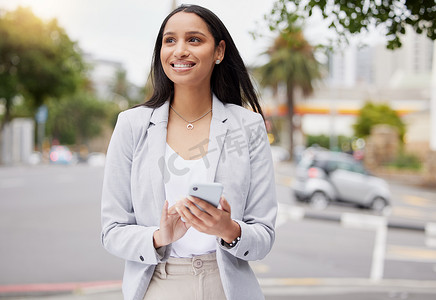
(181, 50)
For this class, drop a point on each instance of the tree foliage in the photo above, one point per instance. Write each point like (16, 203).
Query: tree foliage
(291, 59)
(372, 114)
(351, 17)
(37, 59)
(291, 63)
(77, 118)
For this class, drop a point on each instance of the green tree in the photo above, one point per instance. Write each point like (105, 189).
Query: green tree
(351, 17)
(372, 114)
(78, 118)
(37, 60)
(292, 63)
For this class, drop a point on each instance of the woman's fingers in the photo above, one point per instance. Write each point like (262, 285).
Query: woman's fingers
(172, 211)
(164, 216)
(225, 205)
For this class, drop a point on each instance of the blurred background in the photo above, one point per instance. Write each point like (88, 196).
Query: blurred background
(348, 90)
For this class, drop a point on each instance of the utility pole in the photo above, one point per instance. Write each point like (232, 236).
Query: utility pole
(433, 103)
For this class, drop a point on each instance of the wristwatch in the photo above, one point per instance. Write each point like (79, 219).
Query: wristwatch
(231, 244)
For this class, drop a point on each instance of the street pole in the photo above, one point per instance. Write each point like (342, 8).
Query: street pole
(41, 118)
(433, 103)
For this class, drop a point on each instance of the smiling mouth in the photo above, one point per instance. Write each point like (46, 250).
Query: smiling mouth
(182, 66)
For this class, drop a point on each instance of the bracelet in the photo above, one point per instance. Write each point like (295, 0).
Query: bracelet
(231, 244)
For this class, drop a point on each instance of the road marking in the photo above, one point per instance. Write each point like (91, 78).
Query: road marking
(378, 256)
(416, 254)
(402, 211)
(417, 201)
(291, 281)
(430, 242)
(379, 224)
(363, 282)
(259, 268)
(287, 212)
(330, 286)
(284, 180)
(58, 287)
(430, 229)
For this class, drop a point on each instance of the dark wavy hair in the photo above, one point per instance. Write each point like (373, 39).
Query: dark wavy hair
(230, 81)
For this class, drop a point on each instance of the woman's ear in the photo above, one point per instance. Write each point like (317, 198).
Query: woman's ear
(220, 50)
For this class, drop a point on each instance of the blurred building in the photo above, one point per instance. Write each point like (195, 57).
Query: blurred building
(400, 78)
(109, 81)
(103, 74)
(18, 141)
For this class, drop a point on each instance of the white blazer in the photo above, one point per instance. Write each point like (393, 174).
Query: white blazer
(133, 195)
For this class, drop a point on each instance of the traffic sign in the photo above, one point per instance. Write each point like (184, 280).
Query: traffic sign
(41, 114)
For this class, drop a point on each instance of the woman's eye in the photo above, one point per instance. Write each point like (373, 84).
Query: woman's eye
(194, 40)
(169, 40)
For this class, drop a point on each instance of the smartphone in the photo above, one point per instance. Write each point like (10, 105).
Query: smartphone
(209, 192)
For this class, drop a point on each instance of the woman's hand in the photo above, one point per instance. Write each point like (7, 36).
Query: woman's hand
(171, 228)
(213, 221)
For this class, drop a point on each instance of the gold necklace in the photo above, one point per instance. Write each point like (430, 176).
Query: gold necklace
(190, 126)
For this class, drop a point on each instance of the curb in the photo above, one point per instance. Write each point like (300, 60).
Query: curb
(284, 178)
(45, 289)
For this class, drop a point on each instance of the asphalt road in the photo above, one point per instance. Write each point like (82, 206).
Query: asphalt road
(50, 234)
(50, 226)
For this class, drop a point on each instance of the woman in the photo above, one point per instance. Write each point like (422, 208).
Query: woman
(192, 129)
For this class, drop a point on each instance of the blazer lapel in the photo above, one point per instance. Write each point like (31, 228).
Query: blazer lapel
(157, 133)
(217, 136)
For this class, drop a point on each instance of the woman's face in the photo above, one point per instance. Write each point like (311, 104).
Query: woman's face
(188, 52)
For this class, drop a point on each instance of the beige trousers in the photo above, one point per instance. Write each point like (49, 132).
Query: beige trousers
(194, 278)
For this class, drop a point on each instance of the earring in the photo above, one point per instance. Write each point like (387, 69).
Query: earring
(217, 62)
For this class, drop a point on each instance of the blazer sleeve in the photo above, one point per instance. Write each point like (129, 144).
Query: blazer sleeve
(257, 226)
(121, 235)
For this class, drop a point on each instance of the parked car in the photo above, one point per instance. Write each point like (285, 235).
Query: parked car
(60, 155)
(324, 176)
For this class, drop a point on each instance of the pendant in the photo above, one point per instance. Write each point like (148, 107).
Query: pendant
(190, 126)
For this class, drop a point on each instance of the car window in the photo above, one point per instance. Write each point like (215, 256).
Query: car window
(343, 165)
(358, 168)
(306, 162)
(331, 165)
(351, 166)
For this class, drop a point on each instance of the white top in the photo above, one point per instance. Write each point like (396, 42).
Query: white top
(181, 174)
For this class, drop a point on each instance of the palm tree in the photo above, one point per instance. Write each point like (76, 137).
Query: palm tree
(292, 63)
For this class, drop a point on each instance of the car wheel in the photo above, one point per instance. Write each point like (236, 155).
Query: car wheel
(298, 197)
(379, 204)
(319, 200)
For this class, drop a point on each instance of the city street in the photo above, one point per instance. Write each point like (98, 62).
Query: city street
(50, 233)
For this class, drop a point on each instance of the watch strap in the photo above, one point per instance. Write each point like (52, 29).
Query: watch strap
(231, 244)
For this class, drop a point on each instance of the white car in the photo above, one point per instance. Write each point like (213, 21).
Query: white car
(326, 176)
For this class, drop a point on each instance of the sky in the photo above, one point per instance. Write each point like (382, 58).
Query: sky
(125, 30)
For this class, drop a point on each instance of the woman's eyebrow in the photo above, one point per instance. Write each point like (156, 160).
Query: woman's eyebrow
(195, 32)
(186, 33)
